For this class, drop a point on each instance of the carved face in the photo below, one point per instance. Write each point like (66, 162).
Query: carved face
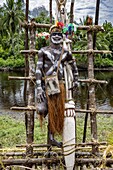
(56, 38)
(62, 7)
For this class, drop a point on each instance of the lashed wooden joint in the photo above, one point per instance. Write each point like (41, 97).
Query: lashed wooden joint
(34, 24)
(79, 80)
(93, 28)
(33, 108)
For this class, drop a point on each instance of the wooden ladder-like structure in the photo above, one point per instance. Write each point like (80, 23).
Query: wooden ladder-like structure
(91, 158)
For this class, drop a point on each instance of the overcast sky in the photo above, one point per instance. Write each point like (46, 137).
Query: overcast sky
(82, 8)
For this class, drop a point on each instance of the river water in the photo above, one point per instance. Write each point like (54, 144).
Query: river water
(103, 92)
(11, 91)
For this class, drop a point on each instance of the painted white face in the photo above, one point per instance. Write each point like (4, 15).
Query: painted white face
(56, 38)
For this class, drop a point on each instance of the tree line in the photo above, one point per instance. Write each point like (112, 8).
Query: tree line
(12, 37)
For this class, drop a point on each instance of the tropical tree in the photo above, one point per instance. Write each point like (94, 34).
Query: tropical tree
(104, 41)
(12, 15)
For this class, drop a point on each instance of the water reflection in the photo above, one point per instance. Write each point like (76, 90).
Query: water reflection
(11, 91)
(103, 92)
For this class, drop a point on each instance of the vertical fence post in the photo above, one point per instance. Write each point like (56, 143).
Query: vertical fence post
(31, 93)
(92, 105)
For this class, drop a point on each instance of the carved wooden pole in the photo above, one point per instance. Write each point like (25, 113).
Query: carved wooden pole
(92, 105)
(69, 130)
(31, 95)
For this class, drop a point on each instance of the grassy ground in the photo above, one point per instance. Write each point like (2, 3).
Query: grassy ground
(104, 128)
(12, 131)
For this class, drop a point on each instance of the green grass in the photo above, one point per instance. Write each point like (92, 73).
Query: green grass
(104, 128)
(12, 131)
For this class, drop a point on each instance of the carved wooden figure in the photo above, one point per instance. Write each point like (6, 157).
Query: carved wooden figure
(56, 77)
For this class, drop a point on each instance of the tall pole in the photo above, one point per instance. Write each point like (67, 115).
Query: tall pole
(92, 103)
(29, 65)
(96, 21)
(26, 63)
(72, 11)
(26, 48)
(31, 94)
(50, 8)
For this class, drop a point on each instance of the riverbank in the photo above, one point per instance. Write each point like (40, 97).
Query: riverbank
(17, 115)
(96, 69)
(7, 69)
(80, 68)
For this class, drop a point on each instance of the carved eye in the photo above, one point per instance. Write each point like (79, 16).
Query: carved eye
(55, 84)
(48, 85)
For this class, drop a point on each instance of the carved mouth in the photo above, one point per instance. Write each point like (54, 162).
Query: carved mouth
(57, 38)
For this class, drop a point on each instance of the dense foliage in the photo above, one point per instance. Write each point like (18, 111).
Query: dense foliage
(12, 37)
(104, 41)
(11, 40)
